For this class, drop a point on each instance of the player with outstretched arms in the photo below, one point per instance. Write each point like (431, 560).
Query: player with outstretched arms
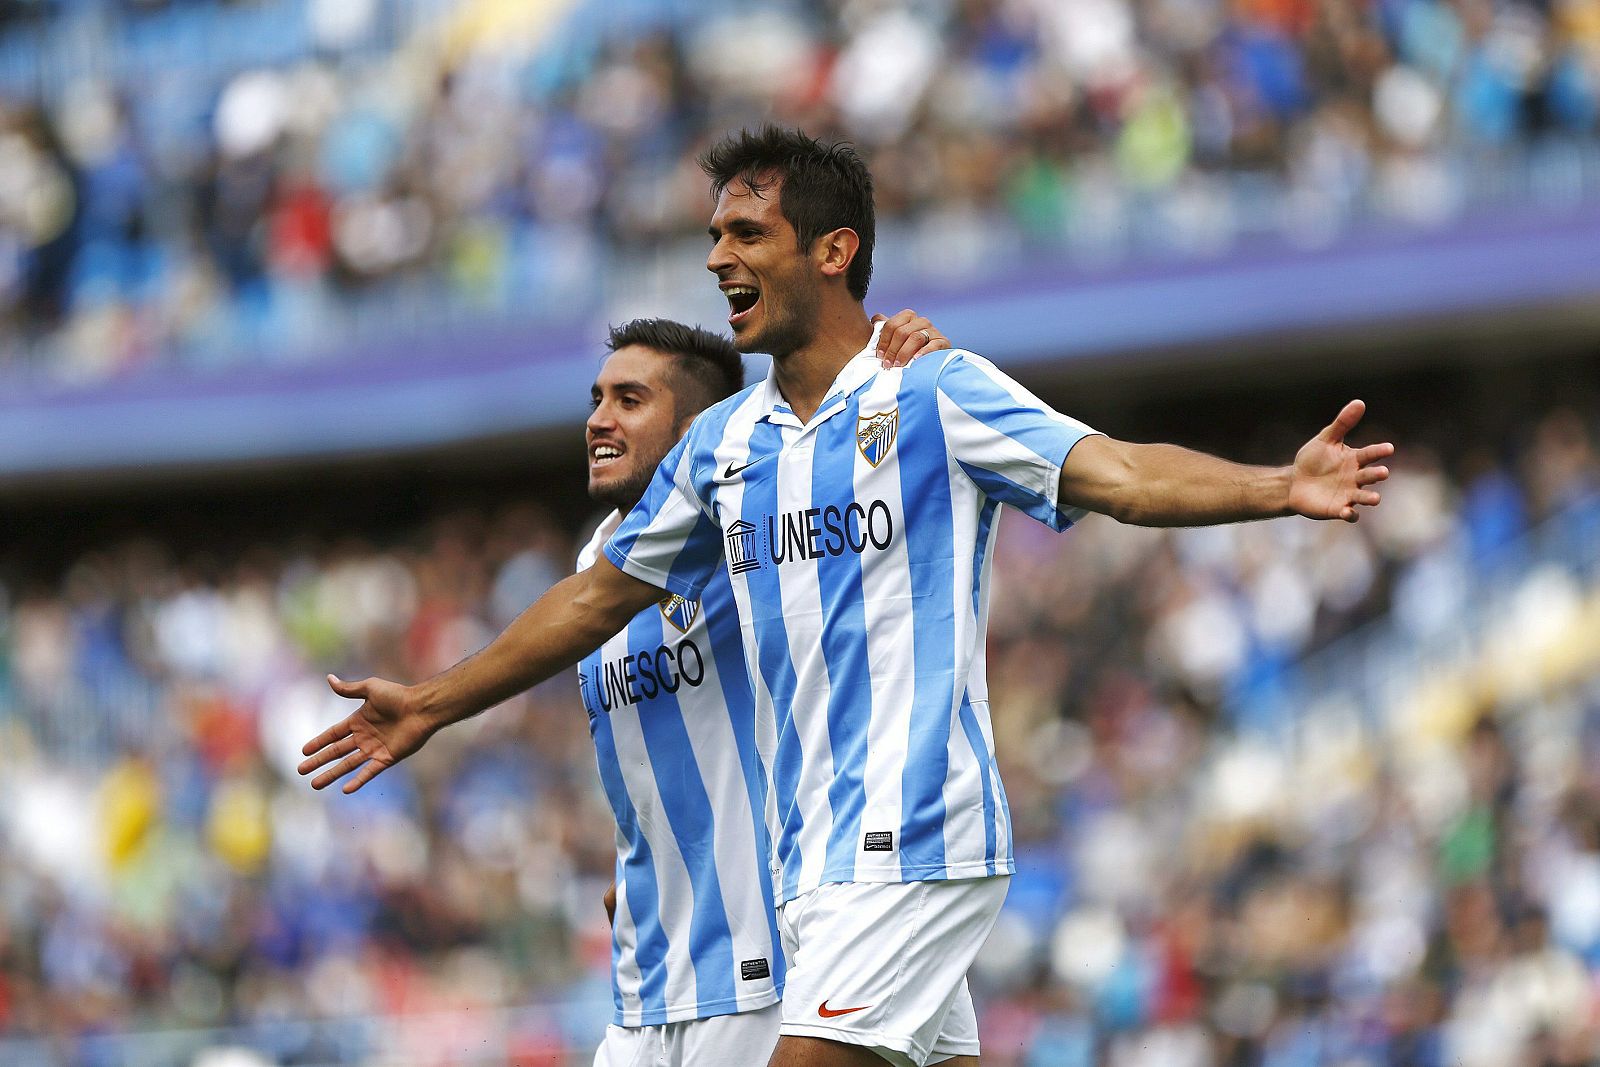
(852, 508)
(696, 963)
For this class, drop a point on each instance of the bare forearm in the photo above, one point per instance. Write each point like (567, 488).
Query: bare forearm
(573, 618)
(1165, 485)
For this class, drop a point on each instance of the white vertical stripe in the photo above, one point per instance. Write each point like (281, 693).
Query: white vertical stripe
(802, 619)
(626, 936)
(716, 754)
(891, 645)
(676, 895)
(978, 687)
(728, 499)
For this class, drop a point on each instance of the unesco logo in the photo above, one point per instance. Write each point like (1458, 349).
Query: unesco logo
(742, 552)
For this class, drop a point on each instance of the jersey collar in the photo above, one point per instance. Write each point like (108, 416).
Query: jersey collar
(857, 372)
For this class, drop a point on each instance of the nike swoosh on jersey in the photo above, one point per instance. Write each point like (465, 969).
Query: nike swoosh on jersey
(732, 470)
(830, 1013)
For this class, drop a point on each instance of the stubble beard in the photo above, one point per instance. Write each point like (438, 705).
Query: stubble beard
(624, 494)
(783, 337)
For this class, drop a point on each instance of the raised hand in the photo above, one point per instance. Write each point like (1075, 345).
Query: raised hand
(905, 336)
(1331, 479)
(384, 730)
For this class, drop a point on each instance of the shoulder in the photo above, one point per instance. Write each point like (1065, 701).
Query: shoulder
(713, 424)
(715, 419)
(591, 549)
(945, 371)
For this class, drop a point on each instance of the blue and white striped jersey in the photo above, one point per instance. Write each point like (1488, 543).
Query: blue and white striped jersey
(673, 720)
(859, 547)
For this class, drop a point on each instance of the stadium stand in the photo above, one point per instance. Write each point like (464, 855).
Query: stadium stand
(1228, 852)
(321, 173)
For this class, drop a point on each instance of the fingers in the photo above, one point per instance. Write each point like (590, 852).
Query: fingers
(1372, 453)
(328, 753)
(333, 734)
(892, 338)
(905, 336)
(1346, 421)
(339, 770)
(353, 690)
(1371, 475)
(367, 774)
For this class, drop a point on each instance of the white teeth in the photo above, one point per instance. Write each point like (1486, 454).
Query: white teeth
(607, 452)
(740, 290)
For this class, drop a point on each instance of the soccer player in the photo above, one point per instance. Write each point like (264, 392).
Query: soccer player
(853, 509)
(697, 966)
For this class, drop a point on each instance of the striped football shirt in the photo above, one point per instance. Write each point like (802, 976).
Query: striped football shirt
(859, 548)
(673, 720)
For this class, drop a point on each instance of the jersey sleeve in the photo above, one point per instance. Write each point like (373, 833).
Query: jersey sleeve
(670, 538)
(1008, 441)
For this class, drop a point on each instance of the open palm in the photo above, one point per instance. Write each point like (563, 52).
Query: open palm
(384, 730)
(1331, 479)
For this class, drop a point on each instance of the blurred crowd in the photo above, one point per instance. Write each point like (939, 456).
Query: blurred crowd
(401, 164)
(1405, 884)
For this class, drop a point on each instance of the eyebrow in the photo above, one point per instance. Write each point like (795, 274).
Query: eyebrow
(736, 221)
(621, 387)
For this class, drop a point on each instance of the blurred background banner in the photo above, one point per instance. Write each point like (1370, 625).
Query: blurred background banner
(300, 301)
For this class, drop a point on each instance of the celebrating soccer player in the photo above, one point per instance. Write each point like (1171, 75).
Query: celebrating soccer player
(852, 509)
(697, 968)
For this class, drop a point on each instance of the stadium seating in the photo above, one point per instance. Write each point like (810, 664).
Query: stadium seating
(205, 185)
(1292, 791)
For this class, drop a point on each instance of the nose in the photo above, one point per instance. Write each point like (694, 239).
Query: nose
(718, 260)
(599, 419)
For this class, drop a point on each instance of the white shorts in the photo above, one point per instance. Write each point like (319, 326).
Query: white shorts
(884, 964)
(745, 1039)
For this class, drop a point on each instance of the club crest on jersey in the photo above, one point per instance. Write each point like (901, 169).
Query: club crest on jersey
(875, 434)
(680, 612)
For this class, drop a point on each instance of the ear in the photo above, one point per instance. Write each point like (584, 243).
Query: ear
(835, 251)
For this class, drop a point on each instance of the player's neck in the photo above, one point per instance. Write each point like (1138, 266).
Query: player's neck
(805, 375)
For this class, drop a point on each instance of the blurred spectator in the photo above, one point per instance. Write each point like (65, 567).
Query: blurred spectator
(351, 159)
(1221, 859)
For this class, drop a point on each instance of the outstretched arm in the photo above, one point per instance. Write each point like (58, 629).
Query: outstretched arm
(393, 721)
(1164, 485)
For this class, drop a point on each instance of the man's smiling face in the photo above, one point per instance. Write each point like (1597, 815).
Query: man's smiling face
(772, 285)
(633, 425)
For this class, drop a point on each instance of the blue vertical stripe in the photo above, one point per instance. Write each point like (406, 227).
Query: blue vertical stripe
(727, 644)
(930, 548)
(844, 650)
(772, 651)
(638, 879)
(688, 811)
(980, 551)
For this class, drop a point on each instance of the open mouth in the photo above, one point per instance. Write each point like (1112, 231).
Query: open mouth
(742, 299)
(603, 455)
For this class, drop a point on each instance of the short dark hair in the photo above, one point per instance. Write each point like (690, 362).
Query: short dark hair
(709, 362)
(823, 186)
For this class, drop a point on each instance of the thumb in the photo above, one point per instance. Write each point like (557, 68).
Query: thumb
(1347, 419)
(353, 690)
(880, 317)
